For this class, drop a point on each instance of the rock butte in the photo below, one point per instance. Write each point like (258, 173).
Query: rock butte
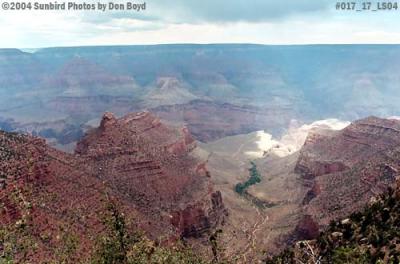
(143, 165)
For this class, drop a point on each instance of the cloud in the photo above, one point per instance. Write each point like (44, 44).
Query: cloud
(213, 11)
(195, 11)
(164, 15)
(200, 21)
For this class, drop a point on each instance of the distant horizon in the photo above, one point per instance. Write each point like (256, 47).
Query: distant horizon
(34, 49)
(263, 22)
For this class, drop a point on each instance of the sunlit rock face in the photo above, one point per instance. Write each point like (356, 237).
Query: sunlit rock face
(293, 140)
(344, 169)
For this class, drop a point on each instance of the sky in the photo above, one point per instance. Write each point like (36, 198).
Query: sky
(199, 21)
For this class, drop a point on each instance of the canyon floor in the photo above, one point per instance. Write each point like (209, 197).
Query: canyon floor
(192, 139)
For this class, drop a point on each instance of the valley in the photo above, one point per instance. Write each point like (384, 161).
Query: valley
(216, 90)
(260, 204)
(234, 152)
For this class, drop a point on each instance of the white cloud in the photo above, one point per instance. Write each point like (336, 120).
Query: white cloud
(180, 22)
(293, 140)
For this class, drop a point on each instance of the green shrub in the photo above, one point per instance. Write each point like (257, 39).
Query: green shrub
(255, 178)
(347, 255)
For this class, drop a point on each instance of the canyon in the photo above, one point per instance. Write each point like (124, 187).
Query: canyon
(167, 133)
(146, 167)
(337, 170)
(176, 188)
(245, 88)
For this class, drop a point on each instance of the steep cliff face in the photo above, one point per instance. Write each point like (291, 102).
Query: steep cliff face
(145, 166)
(195, 220)
(344, 170)
(133, 151)
(367, 236)
(152, 166)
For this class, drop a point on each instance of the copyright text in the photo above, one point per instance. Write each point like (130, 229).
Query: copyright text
(74, 6)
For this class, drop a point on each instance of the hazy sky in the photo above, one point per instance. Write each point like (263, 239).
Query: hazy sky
(199, 21)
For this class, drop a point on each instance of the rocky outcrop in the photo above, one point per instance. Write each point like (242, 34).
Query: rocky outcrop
(48, 191)
(307, 228)
(344, 170)
(312, 193)
(367, 236)
(310, 169)
(184, 144)
(107, 122)
(138, 151)
(127, 160)
(194, 220)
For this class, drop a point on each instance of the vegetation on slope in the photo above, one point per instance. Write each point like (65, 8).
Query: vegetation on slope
(117, 244)
(370, 236)
(255, 178)
(16, 240)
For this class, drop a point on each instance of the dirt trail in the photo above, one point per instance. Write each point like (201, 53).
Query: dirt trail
(262, 219)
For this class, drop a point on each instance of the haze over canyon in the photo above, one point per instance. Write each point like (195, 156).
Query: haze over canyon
(250, 147)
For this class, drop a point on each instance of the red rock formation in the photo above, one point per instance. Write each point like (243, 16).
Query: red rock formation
(345, 169)
(127, 158)
(55, 191)
(194, 220)
(312, 193)
(307, 228)
(151, 165)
